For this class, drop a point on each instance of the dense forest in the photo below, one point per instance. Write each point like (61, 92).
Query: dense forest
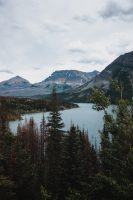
(29, 105)
(48, 164)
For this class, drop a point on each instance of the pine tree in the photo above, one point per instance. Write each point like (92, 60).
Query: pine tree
(116, 155)
(7, 188)
(79, 164)
(54, 148)
(25, 172)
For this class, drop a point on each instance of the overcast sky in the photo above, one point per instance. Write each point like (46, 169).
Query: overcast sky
(38, 37)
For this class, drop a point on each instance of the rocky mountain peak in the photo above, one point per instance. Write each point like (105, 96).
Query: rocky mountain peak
(16, 81)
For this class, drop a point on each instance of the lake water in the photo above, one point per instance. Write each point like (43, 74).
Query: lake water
(84, 117)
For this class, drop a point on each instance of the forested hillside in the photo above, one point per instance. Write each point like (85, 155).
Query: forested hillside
(50, 164)
(19, 106)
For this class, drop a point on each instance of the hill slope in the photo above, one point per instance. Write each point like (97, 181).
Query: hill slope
(120, 69)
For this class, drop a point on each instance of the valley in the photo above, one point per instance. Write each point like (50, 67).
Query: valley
(66, 100)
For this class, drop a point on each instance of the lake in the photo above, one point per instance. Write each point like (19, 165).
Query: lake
(84, 117)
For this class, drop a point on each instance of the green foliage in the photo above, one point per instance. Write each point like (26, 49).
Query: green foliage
(79, 164)
(101, 102)
(54, 148)
(44, 194)
(73, 195)
(104, 188)
(7, 188)
(14, 107)
(51, 165)
(121, 87)
(24, 172)
(116, 155)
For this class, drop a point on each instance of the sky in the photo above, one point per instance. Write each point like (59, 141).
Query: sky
(38, 37)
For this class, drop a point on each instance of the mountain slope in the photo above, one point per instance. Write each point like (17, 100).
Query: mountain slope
(120, 69)
(73, 78)
(16, 81)
(65, 80)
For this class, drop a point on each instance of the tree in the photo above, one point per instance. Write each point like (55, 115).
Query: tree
(54, 147)
(43, 138)
(7, 188)
(116, 155)
(79, 164)
(25, 172)
(44, 195)
(29, 135)
(101, 102)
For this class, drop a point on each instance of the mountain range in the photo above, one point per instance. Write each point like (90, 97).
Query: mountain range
(65, 80)
(75, 85)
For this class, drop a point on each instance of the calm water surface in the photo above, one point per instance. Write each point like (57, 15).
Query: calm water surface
(84, 117)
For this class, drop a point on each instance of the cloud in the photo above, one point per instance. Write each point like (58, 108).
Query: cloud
(76, 50)
(2, 2)
(120, 43)
(36, 68)
(53, 27)
(60, 36)
(6, 71)
(117, 11)
(84, 18)
(94, 61)
(77, 47)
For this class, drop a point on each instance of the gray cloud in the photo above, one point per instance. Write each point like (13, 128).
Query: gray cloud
(92, 61)
(36, 68)
(2, 2)
(63, 34)
(84, 18)
(6, 71)
(116, 11)
(76, 50)
(54, 28)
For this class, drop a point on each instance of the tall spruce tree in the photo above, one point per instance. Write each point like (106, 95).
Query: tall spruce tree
(54, 148)
(116, 155)
(79, 164)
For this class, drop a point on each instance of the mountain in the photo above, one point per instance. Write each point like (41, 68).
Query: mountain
(14, 86)
(120, 69)
(70, 78)
(65, 80)
(16, 81)
(76, 84)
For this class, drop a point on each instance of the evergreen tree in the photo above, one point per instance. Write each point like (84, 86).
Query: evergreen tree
(7, 188)
(25, 174)
(43, 143)
(7, 185)
(79, 164)
(116, 156)
(54, 148)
